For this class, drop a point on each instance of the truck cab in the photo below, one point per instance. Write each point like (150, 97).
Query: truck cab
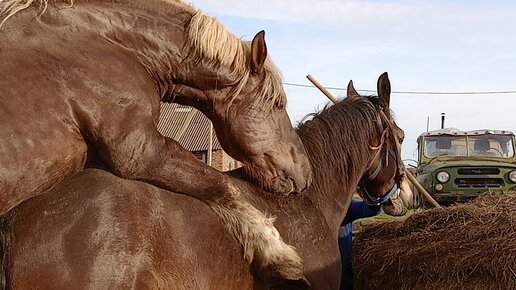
(456, 166)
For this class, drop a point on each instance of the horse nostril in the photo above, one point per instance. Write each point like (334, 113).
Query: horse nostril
(304, 186)
(310, 180)
(295, 186)
(299, 187)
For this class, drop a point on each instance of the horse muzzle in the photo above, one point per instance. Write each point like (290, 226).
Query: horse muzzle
(281, 176)
(285, 184)
(395, 206)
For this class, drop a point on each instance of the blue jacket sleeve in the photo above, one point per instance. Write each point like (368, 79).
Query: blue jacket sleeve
(359, 209)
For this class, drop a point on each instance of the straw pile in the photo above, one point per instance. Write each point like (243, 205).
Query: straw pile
(469, 246)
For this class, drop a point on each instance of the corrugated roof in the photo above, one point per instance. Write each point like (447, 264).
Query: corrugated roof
(195, 138)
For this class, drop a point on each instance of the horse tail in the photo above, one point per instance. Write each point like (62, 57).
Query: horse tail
(5, 244)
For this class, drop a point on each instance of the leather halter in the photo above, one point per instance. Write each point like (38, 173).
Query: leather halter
(380, 149)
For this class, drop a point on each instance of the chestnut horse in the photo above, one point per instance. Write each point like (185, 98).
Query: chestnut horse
(90, 77)
(97, 231)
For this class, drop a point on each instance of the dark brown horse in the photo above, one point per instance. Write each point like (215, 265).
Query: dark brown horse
(97, 231)
(90, 76)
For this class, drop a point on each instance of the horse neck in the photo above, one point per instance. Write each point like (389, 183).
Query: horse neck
(151, 31)
(339, 153)
(180, 49)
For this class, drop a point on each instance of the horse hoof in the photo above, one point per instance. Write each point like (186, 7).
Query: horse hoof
(301, 284)
(281, 276)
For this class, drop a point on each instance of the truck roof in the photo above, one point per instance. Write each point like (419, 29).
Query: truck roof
(457, 132)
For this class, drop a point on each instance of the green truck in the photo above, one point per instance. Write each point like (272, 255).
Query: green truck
(456, 166)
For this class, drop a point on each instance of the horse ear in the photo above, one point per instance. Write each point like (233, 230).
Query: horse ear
(351, 90)
(384, 90)
(258, 52)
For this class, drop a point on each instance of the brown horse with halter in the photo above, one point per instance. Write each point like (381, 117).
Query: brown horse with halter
(90, 77)
(97, 231)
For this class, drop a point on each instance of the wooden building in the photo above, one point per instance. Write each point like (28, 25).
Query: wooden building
(195, 133)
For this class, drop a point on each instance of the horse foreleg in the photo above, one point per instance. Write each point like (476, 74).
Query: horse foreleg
(146, 155)
(274, 260)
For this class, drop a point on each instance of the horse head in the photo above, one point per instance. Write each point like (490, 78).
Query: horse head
(384, 181)
(242, 93)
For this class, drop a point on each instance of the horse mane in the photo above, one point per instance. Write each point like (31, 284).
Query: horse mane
(207, 38)
(337, 140)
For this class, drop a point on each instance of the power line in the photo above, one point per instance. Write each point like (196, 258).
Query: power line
(411, 92)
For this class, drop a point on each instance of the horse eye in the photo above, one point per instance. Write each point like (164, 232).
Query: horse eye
(401, 139)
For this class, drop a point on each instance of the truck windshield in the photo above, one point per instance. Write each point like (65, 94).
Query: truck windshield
(500, 146)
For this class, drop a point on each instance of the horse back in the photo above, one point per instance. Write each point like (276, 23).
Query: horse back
(97, 231)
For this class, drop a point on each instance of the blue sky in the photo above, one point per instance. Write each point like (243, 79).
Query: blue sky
(436, 46)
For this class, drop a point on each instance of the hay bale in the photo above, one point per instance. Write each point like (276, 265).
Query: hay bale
(468, 246)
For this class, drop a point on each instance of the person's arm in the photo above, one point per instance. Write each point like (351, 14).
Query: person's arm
(359, 209)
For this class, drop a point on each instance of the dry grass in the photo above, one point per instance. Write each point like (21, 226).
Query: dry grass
(468, 246)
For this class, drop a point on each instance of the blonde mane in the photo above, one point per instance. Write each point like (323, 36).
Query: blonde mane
(209, 39)
(206, 37)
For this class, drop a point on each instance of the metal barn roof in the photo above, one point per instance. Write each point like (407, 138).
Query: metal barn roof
(195, 138)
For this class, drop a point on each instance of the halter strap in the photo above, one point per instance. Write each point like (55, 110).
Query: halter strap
(379, 166)
(383, 133)
(369, 198)
(378, 200)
